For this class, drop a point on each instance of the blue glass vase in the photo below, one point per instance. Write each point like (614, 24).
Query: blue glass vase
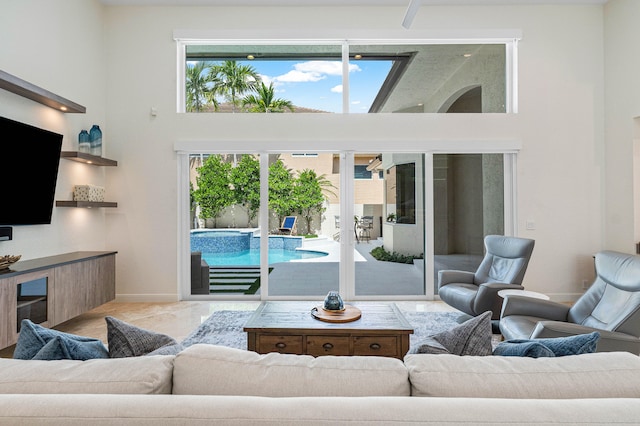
(95, 137)
(84, 142)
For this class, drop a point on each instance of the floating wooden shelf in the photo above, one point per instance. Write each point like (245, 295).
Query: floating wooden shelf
(87, 204)
(83, 157)
(31, 91)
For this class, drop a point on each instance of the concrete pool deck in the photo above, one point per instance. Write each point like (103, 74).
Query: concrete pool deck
(317, 276)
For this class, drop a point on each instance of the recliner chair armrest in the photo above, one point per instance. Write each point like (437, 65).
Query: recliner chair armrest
(529, 306)
(487, 298)
(448, 276)
(610, 341)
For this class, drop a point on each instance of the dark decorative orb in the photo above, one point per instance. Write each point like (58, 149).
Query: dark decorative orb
(333, 302)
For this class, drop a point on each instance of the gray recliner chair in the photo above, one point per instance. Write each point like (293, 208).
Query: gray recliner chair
(503, 267)
(611, 306)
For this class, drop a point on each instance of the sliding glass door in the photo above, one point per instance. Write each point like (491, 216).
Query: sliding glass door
(367, 224)
(468, 203)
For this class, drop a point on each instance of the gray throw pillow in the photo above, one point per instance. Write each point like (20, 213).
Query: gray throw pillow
(38, 342)
(472, 337)
(127, 340)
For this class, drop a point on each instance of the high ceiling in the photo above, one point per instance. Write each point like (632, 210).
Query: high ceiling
(430, 66)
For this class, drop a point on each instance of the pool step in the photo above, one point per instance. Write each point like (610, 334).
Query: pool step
(234, 280)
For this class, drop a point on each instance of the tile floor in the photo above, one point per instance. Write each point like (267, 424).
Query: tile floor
(176, 319)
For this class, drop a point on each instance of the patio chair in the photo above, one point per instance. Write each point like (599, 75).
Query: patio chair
(288, 225)
(365, 225)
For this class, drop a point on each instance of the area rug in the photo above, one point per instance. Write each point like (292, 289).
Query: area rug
(225, 327)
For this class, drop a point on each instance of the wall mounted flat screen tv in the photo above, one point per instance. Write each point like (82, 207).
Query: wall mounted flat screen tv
(28, 176)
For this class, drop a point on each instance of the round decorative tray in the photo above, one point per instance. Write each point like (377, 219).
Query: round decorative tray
(8, 260)
(348, 314)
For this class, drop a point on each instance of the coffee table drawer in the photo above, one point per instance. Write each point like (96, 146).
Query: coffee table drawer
(283, 344)
(375, 345)
(328, 345)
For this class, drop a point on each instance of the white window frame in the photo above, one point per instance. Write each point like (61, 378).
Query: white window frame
(510, 40)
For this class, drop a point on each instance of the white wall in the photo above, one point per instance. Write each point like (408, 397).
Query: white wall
(560, 122)
(622, 88)
(59, 46)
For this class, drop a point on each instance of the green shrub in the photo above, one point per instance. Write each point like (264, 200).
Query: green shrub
(379, 253)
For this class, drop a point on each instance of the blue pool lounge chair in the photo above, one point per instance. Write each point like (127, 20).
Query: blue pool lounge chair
(288, 225)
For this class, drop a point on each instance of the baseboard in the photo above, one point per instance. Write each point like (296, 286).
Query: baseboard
(148, 298)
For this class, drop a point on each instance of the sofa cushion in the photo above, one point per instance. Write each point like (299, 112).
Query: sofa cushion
(41, 343)
(472, 337)
(205, 369)
(126, 340)
(595, 375)
(556, 346)
(208, 410)
(106, 376)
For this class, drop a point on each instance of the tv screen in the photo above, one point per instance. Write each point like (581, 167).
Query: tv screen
(28, 177)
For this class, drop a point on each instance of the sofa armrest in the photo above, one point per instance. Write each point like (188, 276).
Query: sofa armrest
(448, 276)
(610, 341)
(529, 306)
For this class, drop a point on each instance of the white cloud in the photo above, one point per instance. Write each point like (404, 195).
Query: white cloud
(312, 71)
(296, 76)
(337, 89)
(355, 103)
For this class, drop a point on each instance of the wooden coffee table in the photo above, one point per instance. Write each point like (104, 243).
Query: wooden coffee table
(289, 327)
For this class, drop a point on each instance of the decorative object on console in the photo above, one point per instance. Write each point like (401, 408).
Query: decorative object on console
(84, 142)
(8, 260)
(88, 193)
(95, 137)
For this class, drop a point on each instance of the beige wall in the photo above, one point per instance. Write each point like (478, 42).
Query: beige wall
(577, 189)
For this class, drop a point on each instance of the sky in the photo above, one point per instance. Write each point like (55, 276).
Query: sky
(318, 84)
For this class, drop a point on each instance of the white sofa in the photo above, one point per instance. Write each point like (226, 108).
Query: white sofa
(215, 385)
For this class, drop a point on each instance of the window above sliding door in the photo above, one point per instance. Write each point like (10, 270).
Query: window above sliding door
(414, 76)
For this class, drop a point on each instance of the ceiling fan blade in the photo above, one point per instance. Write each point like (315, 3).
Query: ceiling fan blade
(414, 5)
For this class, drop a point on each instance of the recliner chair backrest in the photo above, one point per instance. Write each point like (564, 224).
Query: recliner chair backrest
(505, 261)
(613, 300)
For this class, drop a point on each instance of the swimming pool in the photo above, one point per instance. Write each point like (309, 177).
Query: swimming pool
(242, 248)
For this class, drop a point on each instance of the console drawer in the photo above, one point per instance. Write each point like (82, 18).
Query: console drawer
(376, 345)
(282, 344)
(328, 345)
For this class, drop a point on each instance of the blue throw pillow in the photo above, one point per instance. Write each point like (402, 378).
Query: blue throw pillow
(555, 346)
(38, 342)
(527, 348)
(572, 345)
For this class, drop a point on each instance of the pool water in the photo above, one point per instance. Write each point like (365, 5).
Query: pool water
(252, 257)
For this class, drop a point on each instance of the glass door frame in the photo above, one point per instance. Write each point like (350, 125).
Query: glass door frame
(347, 236)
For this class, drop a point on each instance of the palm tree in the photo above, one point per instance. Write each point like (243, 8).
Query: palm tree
(198, 86)
(264, 100)
(233, 80)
